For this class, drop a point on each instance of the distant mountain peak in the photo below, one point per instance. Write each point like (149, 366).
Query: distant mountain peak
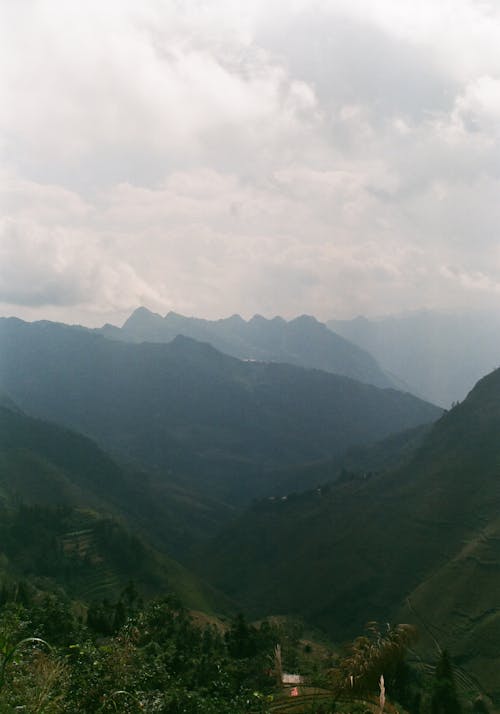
(235, 319)
(175, 317)
(190, 346)
(361, 319)
(302, 341)
(257, 318)
(183, 340)
(140, 316)
(305, 320)
(144, 311)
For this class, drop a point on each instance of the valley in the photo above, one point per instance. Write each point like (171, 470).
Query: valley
(238, 485)
(250, 357)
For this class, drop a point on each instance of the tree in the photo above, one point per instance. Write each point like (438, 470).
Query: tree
(241, 639)
(444, 698)
(376, 653)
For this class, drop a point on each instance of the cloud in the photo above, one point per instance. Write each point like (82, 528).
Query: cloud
(52, 255)
(213, 157)
(104, 93)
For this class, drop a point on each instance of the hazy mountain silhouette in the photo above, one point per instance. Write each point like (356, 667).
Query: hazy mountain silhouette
(220, 422)
(439, 356)
(303, 341)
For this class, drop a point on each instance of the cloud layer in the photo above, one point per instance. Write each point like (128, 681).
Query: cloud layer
(330, 157)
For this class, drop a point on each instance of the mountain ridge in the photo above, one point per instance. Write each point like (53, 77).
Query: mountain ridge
(302, 341)
(220, 422)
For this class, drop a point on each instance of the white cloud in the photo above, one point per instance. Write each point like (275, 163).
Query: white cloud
(100, 91)
(211, 157)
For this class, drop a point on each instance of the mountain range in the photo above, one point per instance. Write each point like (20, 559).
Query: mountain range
(177, 439)
(304, 341)
(212, 423)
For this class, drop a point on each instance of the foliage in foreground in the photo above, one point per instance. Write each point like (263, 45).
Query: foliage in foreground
(128, 657)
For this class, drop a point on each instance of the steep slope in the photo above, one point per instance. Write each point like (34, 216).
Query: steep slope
(356, 551)
(303, 341)
(79, 510)
(440, 356)
(44, 464)
(389, 453)
(91, 556)
(184, 406)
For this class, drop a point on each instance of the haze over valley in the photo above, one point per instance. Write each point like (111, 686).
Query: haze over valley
(249, 357)
(210, 457)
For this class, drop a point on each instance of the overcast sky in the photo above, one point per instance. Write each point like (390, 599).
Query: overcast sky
(336, 158)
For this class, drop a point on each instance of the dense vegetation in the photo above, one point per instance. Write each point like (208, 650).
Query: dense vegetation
(127, 656)
(90, 555)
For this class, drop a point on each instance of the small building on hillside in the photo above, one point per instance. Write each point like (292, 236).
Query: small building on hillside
(285, 679)
(291, 680)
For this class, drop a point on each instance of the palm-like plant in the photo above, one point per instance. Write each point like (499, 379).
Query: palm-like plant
(372, 655)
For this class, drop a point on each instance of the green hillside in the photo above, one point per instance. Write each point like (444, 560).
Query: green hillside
(389, 453)
(42, 463)
(68, 512)
(428, 531)
(91, 556)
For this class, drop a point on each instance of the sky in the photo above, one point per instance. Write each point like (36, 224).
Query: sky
(329, 157)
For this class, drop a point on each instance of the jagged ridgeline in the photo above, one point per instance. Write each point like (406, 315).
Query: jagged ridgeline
(219, 424)
(421, 543)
